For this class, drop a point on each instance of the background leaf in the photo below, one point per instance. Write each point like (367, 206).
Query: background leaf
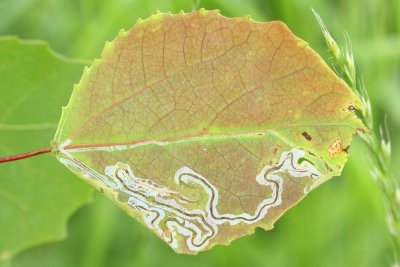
(37, 195)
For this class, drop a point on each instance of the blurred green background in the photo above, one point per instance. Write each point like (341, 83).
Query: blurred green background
(342, 223)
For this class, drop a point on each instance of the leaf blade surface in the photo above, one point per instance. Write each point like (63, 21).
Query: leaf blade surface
(205, 127)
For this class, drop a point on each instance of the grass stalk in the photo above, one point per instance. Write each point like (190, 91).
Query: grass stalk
(377, 142)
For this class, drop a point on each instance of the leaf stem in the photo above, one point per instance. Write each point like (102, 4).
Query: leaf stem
(25, 155)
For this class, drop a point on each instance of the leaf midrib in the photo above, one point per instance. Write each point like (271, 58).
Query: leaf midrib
(194, 136)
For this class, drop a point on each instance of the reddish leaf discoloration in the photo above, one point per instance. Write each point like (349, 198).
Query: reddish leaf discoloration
(192, 123)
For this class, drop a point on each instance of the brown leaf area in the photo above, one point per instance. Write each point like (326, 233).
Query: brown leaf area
(204, 127)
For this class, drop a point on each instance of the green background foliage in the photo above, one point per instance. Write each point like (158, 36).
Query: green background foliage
(37, 195)
(342, 223)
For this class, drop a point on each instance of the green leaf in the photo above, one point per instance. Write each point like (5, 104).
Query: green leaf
(37, 195)
(204, 127)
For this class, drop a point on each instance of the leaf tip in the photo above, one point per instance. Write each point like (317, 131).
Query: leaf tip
(157, 16)
(108, 48)
(122, 33)
(202, 11)
(139, 21)
(247, 18)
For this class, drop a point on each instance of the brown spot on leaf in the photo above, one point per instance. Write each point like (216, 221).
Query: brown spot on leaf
(362, 131)
(337, 147)
(306, 136)
(351, 108)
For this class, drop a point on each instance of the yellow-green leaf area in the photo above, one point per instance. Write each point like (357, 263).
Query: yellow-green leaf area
(204, 127)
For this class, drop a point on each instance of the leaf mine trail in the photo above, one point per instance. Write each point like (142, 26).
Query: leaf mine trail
(204, 127)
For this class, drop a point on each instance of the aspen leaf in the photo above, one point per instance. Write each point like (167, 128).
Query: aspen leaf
(204, 127)
(36, 198)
